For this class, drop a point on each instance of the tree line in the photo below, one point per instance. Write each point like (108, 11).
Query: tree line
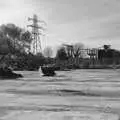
(15, 48)
(15, 52)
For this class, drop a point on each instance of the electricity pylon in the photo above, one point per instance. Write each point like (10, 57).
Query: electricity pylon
(36, 34)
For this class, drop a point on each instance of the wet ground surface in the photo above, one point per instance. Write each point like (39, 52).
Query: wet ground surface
(71, 95)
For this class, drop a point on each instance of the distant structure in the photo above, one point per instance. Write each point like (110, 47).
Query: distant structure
(37, 32)
(92, 53)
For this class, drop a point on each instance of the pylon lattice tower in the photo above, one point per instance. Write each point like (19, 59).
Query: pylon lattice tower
(36, 34)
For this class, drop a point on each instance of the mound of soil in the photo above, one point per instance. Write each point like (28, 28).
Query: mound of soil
(8, 73)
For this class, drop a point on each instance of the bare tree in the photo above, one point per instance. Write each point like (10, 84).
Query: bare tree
(75, 50)
(48, 52)
(78, 50)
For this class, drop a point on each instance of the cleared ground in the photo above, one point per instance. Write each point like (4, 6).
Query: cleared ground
(71, 95)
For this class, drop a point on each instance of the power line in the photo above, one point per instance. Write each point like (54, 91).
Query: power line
(36, 33)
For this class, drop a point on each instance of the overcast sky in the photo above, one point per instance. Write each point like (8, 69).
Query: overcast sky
(92, 22)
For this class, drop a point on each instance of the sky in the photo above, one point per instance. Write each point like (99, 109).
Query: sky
(91, 22)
